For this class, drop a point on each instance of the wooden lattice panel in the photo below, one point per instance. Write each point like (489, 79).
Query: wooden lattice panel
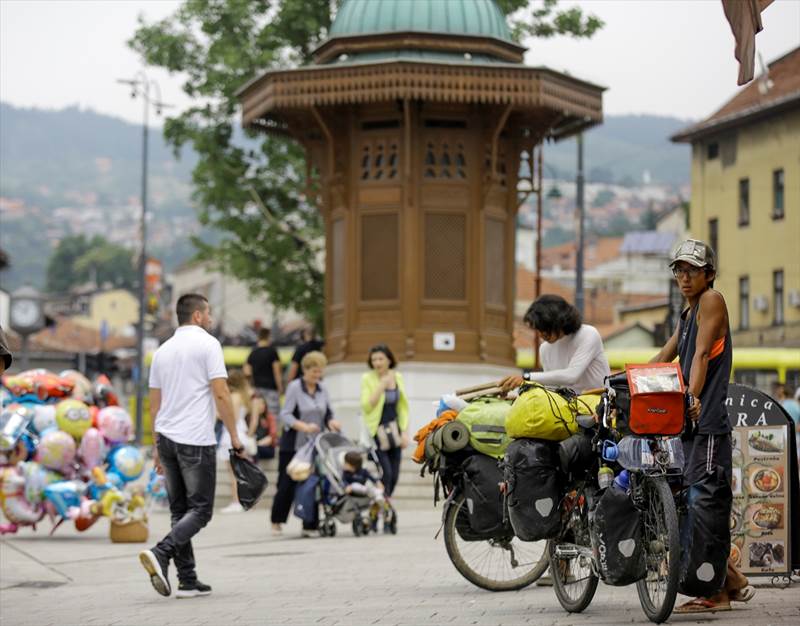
(338, 257)
(445, 256)
(379, 257)
(495, 262)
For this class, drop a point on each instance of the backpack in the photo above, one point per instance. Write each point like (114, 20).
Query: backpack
(617, 534)
(486, 418)
(482, 498)
(533, 495)
(542, 413)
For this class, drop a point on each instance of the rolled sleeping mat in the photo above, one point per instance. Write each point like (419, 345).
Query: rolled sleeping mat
(455, 436)
(431, 451)
(437, 439)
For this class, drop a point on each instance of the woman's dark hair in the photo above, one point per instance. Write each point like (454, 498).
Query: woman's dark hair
(552, 314)
(382, 347)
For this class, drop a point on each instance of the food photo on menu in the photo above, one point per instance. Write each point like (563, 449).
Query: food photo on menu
(767, 554)
(765, 480)
(765, 516)
(766, 441)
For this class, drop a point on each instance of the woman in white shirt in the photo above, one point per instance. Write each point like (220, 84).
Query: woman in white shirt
(572, 353)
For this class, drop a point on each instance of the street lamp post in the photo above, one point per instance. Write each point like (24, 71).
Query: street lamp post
(580, 214)
(140, 86)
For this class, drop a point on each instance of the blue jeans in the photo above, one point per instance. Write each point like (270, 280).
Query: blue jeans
(190, 473)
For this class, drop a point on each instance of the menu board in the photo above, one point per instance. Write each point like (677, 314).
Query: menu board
(761, 519)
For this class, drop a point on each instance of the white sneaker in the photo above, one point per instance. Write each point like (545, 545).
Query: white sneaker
(233, 507)
(277, 529)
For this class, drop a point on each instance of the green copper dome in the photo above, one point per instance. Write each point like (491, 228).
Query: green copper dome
(478, 18)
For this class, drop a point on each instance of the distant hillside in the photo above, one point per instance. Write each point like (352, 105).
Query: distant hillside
(72, 157)
(623, 148)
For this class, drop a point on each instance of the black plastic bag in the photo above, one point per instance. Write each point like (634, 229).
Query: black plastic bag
(705, 535)
(483, 499)
(531, 473)
(617, 535)
(250, 480)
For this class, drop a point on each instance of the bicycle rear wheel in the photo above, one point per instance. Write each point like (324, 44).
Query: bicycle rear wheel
(657, 591)
(574, 580)
(495, 564)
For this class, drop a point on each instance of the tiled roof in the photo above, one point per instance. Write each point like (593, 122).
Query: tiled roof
(754, 100)
(648, 242)
(596, 252)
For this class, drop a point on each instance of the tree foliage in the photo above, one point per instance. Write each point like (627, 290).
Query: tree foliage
(253, 189)
(77, 260)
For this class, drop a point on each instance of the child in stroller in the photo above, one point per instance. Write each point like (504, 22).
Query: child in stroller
(350, 494)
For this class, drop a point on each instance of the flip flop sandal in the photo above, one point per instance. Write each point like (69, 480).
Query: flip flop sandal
(745, 594)
(701, 605)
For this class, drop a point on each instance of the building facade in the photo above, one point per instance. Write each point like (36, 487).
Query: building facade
(746, 203)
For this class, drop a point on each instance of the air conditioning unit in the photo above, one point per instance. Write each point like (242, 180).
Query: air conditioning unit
(794, 299)
(760, 303)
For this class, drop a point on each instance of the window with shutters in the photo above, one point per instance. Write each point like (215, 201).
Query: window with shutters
(379, 257)
(445, 256)
(380, 161)
(444, 159)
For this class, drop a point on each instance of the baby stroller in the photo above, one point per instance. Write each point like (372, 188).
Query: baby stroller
(338, 505)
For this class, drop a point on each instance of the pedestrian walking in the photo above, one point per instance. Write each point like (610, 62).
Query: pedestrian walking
(572, 354)
(309, 343)
(246, 423)
(702, 343)
(384, 406)
(306, 411)
(263, 368)
(187, 382)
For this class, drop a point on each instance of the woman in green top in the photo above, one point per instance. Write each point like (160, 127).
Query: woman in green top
(385, 411)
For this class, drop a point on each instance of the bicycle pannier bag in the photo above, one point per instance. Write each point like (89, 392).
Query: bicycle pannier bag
(657, 399)
(705, 535)
(486, 420)
(483, 500)
(576, 455)
(617, 536)
(531, 474)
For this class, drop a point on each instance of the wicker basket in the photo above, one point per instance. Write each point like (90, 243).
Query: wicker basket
(129, 532)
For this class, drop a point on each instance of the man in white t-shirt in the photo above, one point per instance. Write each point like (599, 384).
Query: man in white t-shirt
(188, 387)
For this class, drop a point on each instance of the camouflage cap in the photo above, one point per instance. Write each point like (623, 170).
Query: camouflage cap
(694, 252)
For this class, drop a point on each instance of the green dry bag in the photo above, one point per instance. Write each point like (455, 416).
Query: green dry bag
(485, 418)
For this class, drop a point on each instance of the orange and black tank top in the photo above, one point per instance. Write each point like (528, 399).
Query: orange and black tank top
(713, 414)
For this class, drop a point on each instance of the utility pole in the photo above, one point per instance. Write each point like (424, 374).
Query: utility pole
(580, 214)
(140, 86)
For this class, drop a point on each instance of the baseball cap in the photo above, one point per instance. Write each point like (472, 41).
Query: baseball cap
(694, 252)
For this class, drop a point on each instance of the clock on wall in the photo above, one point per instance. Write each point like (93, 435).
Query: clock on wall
(25, 311)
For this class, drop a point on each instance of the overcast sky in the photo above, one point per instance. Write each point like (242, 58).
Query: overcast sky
(668, 57)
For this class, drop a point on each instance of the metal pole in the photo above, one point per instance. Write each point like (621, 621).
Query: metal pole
(580, 211)
(142, 264)
(537, 287)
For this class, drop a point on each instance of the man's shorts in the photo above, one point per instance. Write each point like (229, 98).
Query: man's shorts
(704, 453)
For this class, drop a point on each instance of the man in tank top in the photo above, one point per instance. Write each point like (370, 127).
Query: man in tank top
(702, 341)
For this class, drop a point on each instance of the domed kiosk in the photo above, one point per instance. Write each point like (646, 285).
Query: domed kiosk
(415, 115)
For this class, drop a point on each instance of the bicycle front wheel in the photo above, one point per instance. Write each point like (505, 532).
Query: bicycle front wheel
(496, 564)
(657, 591)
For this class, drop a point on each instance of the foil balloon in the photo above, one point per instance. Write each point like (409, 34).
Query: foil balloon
(104, 394)
(16, 508)
(44, 418)
(56, 450)
(115, 424)
(14, 422)
(82, 386)
(92, 449)
(127, 462)
(36, 479)
(72, 416)
(65, 495)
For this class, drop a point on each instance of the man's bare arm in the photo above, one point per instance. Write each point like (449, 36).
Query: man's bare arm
(294, 369)
(709, 325)
(277, 372)
(224, 402)
(155, 406)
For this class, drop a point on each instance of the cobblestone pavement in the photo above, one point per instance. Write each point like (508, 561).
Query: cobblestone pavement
(83, 579)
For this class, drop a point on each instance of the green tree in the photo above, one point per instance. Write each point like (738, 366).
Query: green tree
(255, 192)
(77, 260)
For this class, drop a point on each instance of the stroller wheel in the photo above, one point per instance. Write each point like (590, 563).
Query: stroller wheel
(331, 528)
(390, 522)
(323, 530)
(357, 527)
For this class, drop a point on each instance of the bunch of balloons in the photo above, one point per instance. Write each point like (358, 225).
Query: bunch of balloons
(64, 451)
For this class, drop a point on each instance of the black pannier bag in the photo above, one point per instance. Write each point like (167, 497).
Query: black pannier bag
(576, 456)
(705, 535)
(482, 498)
(531, 472)
(622, 400)
(617, 538)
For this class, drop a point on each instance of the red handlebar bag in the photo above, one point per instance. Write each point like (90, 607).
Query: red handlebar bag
(657, 399)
